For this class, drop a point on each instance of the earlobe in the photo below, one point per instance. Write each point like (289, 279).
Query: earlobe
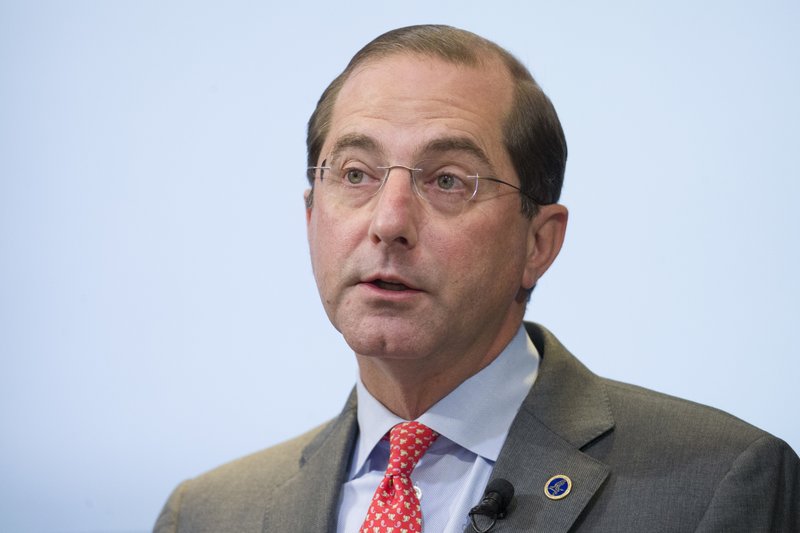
(545, 237)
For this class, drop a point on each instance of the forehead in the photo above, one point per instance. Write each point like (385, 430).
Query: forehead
(406, 102)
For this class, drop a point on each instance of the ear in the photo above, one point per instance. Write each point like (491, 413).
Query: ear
(545, 237)
(308, 199)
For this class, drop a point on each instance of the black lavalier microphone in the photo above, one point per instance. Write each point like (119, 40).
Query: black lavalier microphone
(494, 503)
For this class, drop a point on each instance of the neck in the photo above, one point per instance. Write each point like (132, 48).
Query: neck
(409, 387)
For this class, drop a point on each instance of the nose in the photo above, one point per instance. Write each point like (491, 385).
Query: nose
(395, 216)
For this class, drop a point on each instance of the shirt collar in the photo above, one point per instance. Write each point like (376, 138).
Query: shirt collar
(476, 415)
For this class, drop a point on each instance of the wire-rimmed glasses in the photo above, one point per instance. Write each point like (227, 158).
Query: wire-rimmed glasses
(444, 184)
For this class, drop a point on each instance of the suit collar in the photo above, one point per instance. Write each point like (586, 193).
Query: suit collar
(566, 410)
(567, 397)
(309, 501)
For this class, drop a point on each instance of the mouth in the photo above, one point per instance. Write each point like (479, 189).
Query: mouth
(390, 286)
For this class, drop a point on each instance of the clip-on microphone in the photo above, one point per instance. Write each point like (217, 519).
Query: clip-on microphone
(494, 503)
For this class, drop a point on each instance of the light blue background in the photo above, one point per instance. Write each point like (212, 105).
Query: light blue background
(157, 311)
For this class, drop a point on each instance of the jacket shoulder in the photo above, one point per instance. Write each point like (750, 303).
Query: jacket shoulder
(236, 489)
(710, 470)
(277, 463)
(675, 421)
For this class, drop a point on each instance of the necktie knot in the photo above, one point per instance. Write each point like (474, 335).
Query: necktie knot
(407, 442)
(395, 506)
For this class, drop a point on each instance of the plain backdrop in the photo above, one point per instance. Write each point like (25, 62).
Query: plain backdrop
(158, 315)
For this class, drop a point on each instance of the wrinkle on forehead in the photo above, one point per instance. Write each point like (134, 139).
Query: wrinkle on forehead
(436, 146)
(408, 104)
(488, 74)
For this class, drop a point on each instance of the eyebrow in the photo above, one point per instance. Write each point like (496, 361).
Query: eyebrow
(458, 144)
(436, 146)
(356, 140)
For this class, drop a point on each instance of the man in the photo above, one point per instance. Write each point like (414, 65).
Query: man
(435, 166)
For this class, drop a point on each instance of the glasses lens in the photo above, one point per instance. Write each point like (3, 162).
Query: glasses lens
(446, 186)
(352, 179)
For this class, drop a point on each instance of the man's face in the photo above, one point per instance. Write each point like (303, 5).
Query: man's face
(397, 278)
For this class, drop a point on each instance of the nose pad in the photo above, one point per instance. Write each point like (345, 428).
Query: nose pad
(411, 178)
(396, 193)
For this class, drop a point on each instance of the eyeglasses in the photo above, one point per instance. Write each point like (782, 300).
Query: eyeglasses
(444, 185)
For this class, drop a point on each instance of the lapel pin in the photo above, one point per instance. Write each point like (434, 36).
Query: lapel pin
(557, 487)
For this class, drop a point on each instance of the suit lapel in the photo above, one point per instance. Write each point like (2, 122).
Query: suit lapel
(566, 409)
(309, 500)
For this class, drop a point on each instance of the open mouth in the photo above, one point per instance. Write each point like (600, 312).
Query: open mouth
(389, 286)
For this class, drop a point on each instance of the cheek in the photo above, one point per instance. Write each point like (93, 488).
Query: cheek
(464, 258)
(331, 239)
(493, 251)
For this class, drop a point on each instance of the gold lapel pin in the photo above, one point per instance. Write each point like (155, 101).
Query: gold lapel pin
(557, 487)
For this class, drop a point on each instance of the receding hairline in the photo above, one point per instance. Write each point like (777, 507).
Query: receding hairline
(445, 43)
(491, 62)
(489, 56)
(484, 58)
(452, 44)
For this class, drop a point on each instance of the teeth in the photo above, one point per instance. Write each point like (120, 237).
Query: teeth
(390, 286)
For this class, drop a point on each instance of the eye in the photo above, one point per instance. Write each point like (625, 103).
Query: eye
(353, 176)
(447, 181)
(354, 173)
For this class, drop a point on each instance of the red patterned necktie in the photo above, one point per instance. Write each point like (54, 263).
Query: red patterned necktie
(395, 506)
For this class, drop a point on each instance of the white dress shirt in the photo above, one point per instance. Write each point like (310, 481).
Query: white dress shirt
(472, 422)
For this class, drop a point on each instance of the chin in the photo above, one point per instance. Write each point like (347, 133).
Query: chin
(398, 341)
(384, 346)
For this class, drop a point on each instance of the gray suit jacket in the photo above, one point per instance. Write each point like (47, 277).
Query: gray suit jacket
(638, 460)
